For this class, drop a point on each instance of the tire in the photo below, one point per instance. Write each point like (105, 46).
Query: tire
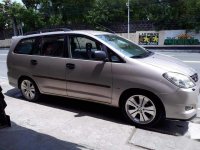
(142, 109)
(29, 90)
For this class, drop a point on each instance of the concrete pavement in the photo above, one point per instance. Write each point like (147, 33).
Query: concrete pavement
(60, 123)
(82, 125)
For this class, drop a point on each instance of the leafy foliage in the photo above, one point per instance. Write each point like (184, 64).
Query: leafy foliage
(35, 14)
(106, 11)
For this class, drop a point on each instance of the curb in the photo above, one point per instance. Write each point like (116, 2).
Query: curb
(175, 50)
(178, 48)
(4, 47)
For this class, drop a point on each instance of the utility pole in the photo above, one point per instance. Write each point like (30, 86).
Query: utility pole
(128, 6)
(14, 25)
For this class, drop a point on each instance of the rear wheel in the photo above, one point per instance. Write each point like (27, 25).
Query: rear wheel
(142, 109)
(29, 90)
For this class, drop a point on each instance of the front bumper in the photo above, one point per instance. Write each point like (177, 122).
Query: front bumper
(182, 104)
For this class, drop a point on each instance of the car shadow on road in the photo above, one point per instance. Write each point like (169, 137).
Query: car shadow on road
(81, 108)
(171, 127)
(20, 138)
(84, 108)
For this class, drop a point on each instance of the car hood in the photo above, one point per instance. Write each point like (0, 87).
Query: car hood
(168, 63)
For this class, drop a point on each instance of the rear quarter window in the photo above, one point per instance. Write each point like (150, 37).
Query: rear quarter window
(25, 46)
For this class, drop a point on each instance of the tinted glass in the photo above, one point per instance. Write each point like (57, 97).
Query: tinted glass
(114, 57)
(37, 46)
(53, 46)
(83, 47)
(25, 46)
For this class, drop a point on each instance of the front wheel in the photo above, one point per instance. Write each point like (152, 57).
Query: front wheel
(143, 110)
(29, 90)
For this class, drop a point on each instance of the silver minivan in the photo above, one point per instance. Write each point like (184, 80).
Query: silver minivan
(104, 68)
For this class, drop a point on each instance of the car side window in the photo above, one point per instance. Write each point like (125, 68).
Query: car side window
(37, 46)
(114, 57)
(53, 46)
(25, 46)
(82, 47)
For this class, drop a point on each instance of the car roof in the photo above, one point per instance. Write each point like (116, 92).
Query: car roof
(84, 32)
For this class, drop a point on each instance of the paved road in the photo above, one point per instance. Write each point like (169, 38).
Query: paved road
(59, 123)
(3, 68)
(192, 59)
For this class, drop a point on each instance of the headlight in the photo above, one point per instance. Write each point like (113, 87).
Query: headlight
(179, 80)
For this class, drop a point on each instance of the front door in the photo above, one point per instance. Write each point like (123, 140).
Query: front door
(87, 78)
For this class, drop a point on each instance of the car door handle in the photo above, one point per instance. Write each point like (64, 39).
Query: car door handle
(34, 62)
(70, 66)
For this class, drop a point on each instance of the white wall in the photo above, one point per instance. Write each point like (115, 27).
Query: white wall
(163, 34)
(195, 35)
(5, 43)
(133, 36)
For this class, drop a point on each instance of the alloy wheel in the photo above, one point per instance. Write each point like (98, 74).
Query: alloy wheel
(140, 109)
(28, 89)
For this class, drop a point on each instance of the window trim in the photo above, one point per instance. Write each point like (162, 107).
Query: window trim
(80, 35)
(67, 51)
(21, 40)
(105, 48)
(121, 59)
(65, 54)
(65, 46)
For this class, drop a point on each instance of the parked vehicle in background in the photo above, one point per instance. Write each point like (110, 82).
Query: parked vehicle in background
(105, 68)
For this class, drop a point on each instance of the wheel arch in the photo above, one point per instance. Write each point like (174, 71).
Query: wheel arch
(26, 77)
(135, 90)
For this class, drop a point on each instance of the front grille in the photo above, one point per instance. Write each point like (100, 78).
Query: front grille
(195, 77)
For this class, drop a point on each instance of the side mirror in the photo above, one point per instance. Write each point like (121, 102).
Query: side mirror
(100, 55)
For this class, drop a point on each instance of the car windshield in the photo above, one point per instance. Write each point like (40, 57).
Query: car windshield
(126, 47)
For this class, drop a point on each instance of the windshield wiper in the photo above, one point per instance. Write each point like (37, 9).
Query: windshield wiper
(148, 53)
(138, 56)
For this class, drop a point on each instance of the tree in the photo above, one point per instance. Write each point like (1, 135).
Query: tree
(73, 11)
(31, 3)
(2, 18)
(107, 11)
(191, 17)
(165, 14)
